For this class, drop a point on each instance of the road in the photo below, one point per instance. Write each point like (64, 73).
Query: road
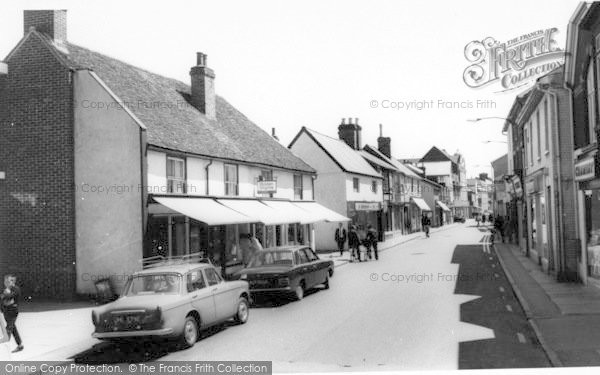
(432, 303)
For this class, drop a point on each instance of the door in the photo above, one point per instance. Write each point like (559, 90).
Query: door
(224, 296)
(201, 298)
(304, 269)
(319, 267)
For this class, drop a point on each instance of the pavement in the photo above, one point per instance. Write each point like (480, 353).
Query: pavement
(564, 316)
(340, 260)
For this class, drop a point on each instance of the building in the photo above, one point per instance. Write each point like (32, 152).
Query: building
(104, 164)
(581, 78)
(450, 171)
(480, 195)
(501, 198)
(346, 182)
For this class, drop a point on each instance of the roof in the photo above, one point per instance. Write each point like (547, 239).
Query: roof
(162, 104)
(375, 160)
(398, 165)
(348, 159)
(437, 154)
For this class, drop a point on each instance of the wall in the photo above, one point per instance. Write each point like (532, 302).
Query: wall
(109, 187)
(438, 168)
(37, 222)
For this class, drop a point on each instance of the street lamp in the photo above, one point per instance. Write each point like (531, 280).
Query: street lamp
(494, 142)
(492, 118)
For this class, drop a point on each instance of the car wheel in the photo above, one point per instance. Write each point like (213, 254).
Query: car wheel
(326, 283)
(299, 291)
(243, 311)
(189, 336)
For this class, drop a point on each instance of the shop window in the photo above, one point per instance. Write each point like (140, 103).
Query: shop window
(158, 237)
(231, 179)
(298, 187)
(198, 237)
(592, 206)
(175, 175)
(178, 235)
(278, 235)
(291, 238)
(300, 234)
(269, 236)
(355, 185)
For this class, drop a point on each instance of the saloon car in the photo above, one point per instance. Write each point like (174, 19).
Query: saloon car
(174, 301)
(286, 270)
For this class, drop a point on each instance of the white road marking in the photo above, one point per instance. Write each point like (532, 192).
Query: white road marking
(509, 308)
(496, 275)
(521, 338)
(501, 289)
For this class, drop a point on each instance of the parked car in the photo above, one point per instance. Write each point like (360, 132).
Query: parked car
(172, 300)
(459, 219)
(287, 271)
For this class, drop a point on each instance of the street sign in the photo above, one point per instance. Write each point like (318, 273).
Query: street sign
(367, 206)
(585, 169)
(264, 187)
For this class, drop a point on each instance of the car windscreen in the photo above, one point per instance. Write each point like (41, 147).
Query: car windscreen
(166, 283)
(272, 258)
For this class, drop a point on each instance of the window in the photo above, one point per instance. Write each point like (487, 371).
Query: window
(231, 179)
(374, 186)
(212, 276)
(298, 187)
(301, 257)
(355, 185)
(311, 254)
(195, 281)
(591, 101)
(546, 125)
(175, 175)
(539, 134)
(266, 175)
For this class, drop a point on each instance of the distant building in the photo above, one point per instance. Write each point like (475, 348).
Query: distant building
(501, 197)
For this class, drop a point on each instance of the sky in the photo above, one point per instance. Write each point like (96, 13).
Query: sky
(288, 64)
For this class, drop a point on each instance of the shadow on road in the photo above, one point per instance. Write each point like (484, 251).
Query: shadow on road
(515, 344)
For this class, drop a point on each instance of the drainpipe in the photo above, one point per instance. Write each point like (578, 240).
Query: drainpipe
(207, 180)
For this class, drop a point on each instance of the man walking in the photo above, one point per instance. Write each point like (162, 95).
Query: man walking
(10, 308)
(372, 241)
(340, 238)
(354, 243)
(425, 223)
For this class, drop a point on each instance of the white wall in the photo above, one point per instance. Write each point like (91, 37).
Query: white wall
(247, 177)
(438, 168)
(365, 193)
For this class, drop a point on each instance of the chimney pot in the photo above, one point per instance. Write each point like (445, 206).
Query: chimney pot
(349, 120)
(356, 120)
(343, 121)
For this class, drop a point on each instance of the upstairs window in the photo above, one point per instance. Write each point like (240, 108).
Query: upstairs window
(231, 179)
(298, 187)
(591, 101)
(175, 175)
(355, 185)
(374, 186)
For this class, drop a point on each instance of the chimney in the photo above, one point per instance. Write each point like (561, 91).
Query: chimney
(203, 87)
(384, 144)
(350, 133)
(50, 22)
(274, 135)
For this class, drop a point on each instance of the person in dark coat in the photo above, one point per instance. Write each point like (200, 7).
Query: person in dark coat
(340, 238)
(10, 308)
(425, 223)
(372, 241)
(499, 226)
(354, 243)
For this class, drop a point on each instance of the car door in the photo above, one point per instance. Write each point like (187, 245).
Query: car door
(224, 295)
(319, 266)
(201, 297)
(305, 269)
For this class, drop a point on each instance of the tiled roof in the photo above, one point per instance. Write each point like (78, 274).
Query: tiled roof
(398, 165)
(375, 160)
(346, 157)
(172, 123)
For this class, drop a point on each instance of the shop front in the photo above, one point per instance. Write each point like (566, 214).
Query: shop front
(537, 224)
(226, 231)
(362, 214)
(442, 212)
(588, 196)
(418, 208)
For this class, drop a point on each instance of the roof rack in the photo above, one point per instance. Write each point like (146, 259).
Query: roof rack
(159, 260)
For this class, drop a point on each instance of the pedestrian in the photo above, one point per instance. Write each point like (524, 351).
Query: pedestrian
(425, 223)
(477, 219)
(499, 226)
(372, 241)
(10, 308)
(353, 244)
(483, 219)
(340, 238)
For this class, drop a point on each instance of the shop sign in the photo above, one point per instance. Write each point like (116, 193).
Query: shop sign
(367, 206)
(264, 187)
(585, 170)
(530, 187)
(518, 187)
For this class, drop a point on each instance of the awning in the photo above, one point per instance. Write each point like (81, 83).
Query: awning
(258, 211)
(206, 210)
(297, 214)
(320, 213)
(421, 204)
(442, 206)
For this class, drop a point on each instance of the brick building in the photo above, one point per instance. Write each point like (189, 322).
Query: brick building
(103, 164)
